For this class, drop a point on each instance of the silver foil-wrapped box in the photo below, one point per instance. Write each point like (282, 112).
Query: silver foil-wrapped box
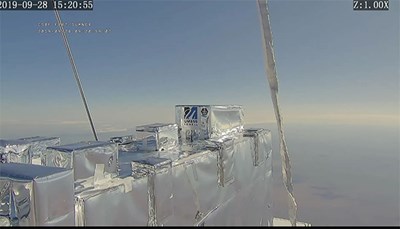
(17, 151)
(199, 185)
(39, 145)
(195, 187)
(115, 202)
(122, 139)
(125, 159)
(143, 198)
(84, 157)
(159, 187)
(35, 195)
(125, 143)
(157, 136)
(251, 202)
(225, 158)
(262, 147)
(201, 122)
(210, 188)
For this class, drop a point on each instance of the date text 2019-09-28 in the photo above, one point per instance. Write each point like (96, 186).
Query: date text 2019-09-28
(46, 4)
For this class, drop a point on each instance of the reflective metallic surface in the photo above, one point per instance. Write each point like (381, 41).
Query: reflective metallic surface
(200, 122)
(209, 183)
(83, 157)
(113, 204)
(225, 159)
(39, 145)
(157, 136)
(251, 203)
(34, 195)
(125, 143)
(261, 138)
(195, 187)
(224, 180)
(16, 151)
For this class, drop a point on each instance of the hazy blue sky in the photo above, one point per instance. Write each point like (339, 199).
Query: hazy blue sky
(334, 64)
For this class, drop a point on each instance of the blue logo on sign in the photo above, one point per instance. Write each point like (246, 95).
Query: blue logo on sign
(190, 113)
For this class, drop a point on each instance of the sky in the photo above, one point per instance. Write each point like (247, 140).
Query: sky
(334, 65)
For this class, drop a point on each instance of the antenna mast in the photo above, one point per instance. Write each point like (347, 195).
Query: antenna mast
(75, 70)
